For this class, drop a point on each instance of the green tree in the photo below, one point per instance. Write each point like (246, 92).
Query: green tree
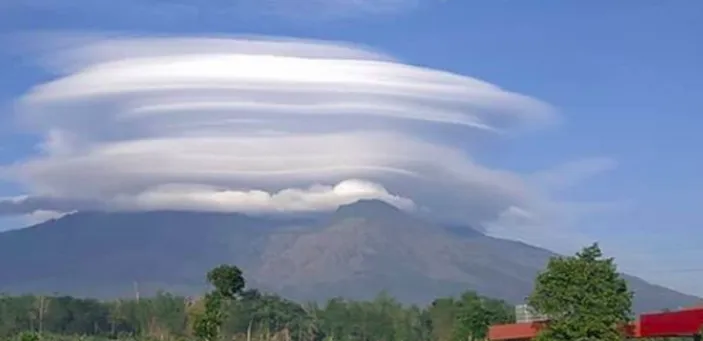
(227, 280)
(471, 321)
(207, 326)
(584, 296)
(442, 315)
(228, 283)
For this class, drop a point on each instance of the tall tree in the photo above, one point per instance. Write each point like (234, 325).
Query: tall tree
(228, 283)
(584, 296)
(471, 320)
(227, 280)
(442, 315)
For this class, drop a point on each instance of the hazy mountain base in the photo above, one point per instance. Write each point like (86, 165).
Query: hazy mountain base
(356, 252)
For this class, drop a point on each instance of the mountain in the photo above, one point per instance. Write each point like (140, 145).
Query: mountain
(355, 252)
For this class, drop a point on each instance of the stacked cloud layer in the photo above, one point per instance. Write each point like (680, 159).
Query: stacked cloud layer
(262, 125)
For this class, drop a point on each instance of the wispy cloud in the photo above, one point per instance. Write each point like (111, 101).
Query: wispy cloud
(573, 173)
(557, 223)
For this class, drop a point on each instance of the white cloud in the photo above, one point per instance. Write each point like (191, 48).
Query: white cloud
(28, 216)
(265, 125)
(41, 216)
(208, 198)
(550, 223)
(550, 226)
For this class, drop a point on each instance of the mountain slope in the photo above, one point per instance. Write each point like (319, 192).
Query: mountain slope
(356, 252)
(361, 254)
(102, 254)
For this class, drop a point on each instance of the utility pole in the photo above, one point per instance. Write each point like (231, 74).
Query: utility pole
(136, 291)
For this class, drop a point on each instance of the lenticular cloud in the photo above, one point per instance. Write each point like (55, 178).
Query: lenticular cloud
(265, 125)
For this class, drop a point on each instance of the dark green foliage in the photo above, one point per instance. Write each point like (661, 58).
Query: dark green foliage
(475, 313)
(227, 280)
(165, 318)
(584, 296)
(228, 283)
(207, 325)
(29, 336)
(466, 318)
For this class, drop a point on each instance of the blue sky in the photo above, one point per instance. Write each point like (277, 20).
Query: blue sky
(625, 77)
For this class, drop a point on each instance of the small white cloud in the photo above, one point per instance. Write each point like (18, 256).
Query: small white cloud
(208, 198)
(41, 216)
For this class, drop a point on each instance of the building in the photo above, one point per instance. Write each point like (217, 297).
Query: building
(525, 313)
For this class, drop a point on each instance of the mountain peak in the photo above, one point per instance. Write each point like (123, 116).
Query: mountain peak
(367, 246)
(367, 208)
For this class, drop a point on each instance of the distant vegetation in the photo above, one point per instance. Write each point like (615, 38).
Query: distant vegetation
(583, 293)
(272, 318)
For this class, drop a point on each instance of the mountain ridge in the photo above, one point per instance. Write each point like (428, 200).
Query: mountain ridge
(355, 251)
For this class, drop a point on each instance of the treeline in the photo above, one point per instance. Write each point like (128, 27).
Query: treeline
(584, 296)
(263, 317)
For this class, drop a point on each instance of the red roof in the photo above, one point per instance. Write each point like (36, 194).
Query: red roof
(528, 330)
(515, 331)
(675, 323)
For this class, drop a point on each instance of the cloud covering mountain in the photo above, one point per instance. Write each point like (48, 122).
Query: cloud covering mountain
(615, 170)
(266, 125)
